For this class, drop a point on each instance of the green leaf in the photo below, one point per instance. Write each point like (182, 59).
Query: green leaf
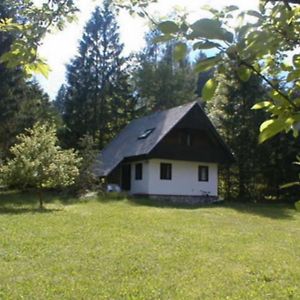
(209, 89)
(206, 27)
(210, 29)
(290, 184)
(162, 38)
(286, 67)
(242, 31)
(228, 36)
(293, 75)
(265, 125)
(205, 45)
(297, 205)
(244, 73)
(292, 119)
(261, 105)
(230, 8)
(254, 13)
(270, 128)
(180, 51)
(168, 27)
(210, 9)
(207, 64)
(296, 60)
(40, 67)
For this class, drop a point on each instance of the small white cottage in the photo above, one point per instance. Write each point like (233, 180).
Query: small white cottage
(168, 154)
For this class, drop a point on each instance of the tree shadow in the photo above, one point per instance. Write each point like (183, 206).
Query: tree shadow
(268, 210)
(20, 202)
(138, 201)
(25, 210)
(104, 197)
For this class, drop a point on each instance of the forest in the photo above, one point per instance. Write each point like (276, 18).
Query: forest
(104, 90)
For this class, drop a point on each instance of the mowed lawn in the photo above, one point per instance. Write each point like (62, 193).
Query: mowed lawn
(126, 250)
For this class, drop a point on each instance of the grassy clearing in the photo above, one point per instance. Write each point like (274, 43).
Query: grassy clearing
(126, 250)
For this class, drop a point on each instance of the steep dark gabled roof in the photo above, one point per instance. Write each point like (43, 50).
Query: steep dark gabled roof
(127, 144)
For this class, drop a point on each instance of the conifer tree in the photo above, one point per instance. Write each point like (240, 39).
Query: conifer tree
(22, 102)
(98, 99)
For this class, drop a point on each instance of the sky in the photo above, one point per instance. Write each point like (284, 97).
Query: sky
(60, 47)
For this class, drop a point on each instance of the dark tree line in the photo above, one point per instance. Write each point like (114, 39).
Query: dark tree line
(22, 102)
(259, 169)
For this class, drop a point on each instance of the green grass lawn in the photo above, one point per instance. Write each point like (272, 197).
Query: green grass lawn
(128, 250)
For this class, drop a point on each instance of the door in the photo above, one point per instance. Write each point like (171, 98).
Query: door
(126, 177)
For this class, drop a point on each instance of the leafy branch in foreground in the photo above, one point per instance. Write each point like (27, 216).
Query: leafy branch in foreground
(295, 183)
(29, 23)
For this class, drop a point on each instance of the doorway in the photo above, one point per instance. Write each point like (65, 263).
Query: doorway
(126, 177)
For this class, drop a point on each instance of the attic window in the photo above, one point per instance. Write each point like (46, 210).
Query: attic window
(146, 133)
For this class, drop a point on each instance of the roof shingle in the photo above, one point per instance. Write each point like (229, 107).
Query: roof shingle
(127, 144)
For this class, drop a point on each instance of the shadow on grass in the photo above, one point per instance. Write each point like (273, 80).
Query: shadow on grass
(112, 197)
(268, 210)
(166, 204)
(23, 210)
(17, 202)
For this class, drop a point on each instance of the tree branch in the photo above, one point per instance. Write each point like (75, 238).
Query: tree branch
(286, 1)
(269, 83)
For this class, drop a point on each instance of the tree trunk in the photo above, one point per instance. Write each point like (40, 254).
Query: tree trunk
(40, 199)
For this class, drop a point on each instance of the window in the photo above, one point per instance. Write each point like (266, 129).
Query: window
(188, 139)
(203, 173)
(165, 171)
(145, 133)
(139, 171)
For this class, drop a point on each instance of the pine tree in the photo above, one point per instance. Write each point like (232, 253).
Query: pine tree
(22, 102)
(59, 102)
(98, 99)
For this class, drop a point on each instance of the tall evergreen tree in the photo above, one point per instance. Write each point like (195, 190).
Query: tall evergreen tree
(98, 99)
(162, 82)
(59, 102)
(22, 103)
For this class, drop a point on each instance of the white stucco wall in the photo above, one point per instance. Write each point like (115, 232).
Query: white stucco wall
(140, 186)
(184, 179)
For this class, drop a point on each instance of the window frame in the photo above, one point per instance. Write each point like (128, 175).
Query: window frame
(206, 168)
(189, 139)
(138, 173)
(165, 174)
(145, 133)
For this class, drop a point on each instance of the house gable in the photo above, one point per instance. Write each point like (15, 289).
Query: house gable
(193, 138)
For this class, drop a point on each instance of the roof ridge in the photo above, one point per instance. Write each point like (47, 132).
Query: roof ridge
(166, 110)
